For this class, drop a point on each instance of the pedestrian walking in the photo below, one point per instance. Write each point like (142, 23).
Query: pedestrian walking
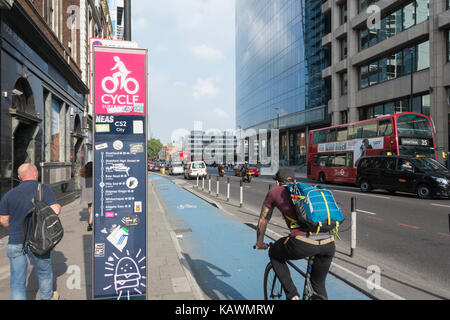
(14, 206)
(87, 191)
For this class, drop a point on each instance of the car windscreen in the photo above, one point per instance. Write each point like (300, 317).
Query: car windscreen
(177, 164)
(428, 164)
(198, 165)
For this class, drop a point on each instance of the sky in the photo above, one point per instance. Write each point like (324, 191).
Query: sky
(191, 63)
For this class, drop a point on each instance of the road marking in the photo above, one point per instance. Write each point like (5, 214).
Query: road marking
(408, 226)
(440, 205)
(368, 212)
(363, 194)
(443, 234)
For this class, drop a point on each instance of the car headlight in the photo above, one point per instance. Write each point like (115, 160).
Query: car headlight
(442, 181)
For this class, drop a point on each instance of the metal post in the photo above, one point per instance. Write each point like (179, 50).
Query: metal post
(241, 198)
(217, 187)
(197, 180)
(127, 20)
(353, 237)
(228, 189)
(209, 182)
(203, 183)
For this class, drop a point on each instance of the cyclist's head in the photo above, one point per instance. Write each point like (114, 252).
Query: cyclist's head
(285, 175)
(116, 59)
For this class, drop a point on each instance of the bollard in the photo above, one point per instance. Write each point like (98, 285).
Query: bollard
(353, 237)
(209, 182)
(270, 187)
(203, 183)
(228, 189)
(217, 187)
(197, 180)
(241, 198)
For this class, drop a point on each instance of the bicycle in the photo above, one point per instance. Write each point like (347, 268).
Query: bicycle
(272, 285)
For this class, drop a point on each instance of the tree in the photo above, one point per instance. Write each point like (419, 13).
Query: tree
(153, 147)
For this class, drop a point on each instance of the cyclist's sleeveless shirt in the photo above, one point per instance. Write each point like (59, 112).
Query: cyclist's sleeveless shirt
(280, 198)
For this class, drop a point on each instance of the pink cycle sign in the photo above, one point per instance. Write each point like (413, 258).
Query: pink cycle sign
(120, 81)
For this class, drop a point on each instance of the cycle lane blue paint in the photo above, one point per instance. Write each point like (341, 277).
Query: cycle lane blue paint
(219, 249)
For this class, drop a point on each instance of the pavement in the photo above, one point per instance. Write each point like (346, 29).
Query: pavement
(177, 254)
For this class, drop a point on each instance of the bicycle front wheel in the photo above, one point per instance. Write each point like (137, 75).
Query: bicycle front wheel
(272, 285)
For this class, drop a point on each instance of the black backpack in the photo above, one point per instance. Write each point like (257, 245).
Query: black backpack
(45, 228)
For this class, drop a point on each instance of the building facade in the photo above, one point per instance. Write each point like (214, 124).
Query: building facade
(389, 57)
(211, 146)
(279, 63)
(43, 103)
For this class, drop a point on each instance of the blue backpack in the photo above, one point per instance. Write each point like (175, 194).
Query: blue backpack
(315, 208)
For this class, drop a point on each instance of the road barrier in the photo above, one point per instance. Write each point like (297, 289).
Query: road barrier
(241, 197)
(353, 229)
(228, 189)
(217, 187)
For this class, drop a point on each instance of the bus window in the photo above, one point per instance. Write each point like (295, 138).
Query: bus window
(385, 127)
(342, 134)
(370, 129)
(331, 135)
(320, 136)
(350, 160)
(322, 161)
(339, 160)
(330, 160)
(357, 132)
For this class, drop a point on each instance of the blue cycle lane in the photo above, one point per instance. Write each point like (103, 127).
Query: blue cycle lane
(219, 249)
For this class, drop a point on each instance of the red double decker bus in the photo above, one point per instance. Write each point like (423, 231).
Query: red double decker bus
(333, 152)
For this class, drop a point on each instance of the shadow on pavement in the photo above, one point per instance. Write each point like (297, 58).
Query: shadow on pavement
(208, 277)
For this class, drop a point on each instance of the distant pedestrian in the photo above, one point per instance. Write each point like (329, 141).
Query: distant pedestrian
(87, 191)
(14, 206)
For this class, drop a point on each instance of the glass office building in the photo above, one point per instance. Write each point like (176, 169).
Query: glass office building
(279, 63)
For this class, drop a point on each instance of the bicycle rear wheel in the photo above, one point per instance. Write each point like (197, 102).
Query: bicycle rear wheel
(272, 285)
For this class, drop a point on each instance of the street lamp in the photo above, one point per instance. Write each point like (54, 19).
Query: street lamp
(412, 79)
(278, 117)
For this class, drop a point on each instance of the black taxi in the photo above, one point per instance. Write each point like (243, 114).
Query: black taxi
(420, 175)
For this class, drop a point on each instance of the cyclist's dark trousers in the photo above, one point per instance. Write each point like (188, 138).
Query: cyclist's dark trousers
(295, 249)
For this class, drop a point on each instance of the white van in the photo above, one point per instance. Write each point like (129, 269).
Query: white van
(194, 169)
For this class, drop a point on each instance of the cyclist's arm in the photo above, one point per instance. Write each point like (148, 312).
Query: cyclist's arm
(264, 218)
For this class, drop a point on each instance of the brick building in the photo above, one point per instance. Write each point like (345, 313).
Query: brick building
(44, 116)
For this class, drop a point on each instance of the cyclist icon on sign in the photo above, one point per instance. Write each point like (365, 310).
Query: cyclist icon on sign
(120, 77)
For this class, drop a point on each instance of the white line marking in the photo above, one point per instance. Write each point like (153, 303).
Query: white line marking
(368, 212)
(363, 194)
(440, 205)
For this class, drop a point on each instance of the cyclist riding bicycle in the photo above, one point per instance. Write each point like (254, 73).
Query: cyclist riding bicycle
(298, 245)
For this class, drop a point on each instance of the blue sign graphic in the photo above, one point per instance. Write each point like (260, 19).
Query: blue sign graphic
(119, 208)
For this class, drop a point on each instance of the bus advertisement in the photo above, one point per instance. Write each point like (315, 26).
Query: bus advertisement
(333, 152)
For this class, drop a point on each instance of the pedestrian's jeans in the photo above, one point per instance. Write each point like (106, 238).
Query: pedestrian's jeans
(295, 249)
(18, 263)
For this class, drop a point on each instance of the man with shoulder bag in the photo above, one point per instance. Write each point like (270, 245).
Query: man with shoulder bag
(15, 208)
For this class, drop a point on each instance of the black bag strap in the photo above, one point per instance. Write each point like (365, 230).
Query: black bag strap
(26, 220)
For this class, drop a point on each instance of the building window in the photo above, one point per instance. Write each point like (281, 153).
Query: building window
(344, 83)
(396, 65)
(343, 13)
(400, 20)
(364, 4)
(420, 104)
(55, 131)
(343, 43)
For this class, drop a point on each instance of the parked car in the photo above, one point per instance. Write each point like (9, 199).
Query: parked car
(423, 176)
(176, 168)
(238, 168)
(194, 169)
(156, 167)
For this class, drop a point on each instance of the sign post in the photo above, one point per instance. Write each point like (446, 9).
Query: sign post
(120, 173)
